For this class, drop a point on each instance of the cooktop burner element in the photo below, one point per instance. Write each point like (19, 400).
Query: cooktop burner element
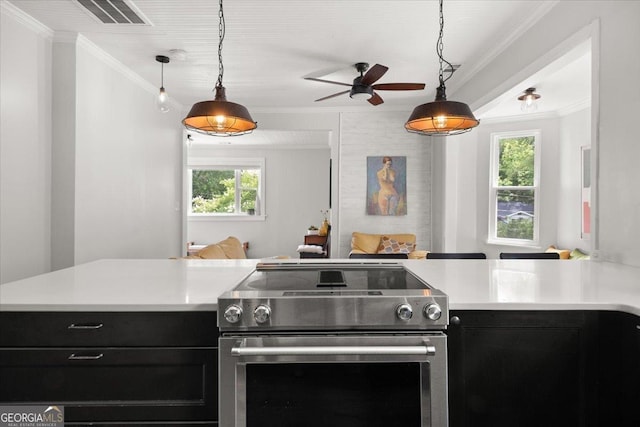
(321, 296)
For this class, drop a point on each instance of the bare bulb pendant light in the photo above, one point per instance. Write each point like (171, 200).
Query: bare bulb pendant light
(219, 117)
(529, 100)
(441, 117)
(163, 99)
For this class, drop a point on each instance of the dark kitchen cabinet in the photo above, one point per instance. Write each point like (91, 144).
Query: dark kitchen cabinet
(132, 368)
(522, 368)
(619, 369)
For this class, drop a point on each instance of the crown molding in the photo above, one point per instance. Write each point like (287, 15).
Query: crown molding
(575, 107)
(118, 66)
(7, 8)
(520, 118)
(489, 56)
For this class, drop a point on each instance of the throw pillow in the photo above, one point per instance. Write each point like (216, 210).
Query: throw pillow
(391, 246)
(578, 254)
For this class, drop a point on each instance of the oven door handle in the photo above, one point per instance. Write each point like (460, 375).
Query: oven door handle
(421, 350)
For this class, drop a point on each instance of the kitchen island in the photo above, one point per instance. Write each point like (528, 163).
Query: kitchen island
(135, 341)
(189, 284)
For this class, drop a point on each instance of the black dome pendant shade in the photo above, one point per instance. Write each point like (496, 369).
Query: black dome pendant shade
(441, 117)
(219, 117)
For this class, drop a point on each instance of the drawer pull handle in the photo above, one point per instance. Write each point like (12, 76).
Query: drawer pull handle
(85, 326)
(85, 356)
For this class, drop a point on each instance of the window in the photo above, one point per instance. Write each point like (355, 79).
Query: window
(225, 188)
(514, 193)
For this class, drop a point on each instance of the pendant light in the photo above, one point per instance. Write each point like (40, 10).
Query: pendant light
(219, 117)
(529, 100)
(163, 99)
(441, 117)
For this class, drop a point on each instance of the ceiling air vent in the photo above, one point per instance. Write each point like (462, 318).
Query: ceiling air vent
(113, 11)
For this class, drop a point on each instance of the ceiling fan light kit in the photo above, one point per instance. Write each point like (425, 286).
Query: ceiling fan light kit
(361, 92)
(441, 117)
(219, 117)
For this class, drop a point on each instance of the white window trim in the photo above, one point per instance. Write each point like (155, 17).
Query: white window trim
(493, 188)
(227, 163)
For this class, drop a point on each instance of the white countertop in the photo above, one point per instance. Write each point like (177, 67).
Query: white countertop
(176, 285)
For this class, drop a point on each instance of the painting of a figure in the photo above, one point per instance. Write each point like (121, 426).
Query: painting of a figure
(386, 185)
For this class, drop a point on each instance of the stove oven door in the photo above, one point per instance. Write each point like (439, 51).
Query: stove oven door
(333, 380)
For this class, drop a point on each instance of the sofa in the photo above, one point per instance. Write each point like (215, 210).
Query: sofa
(229, 248)
(381, 245)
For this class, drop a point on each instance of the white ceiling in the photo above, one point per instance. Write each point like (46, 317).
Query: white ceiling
(270, 46)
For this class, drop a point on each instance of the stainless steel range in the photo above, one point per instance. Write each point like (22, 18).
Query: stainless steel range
(326, 344)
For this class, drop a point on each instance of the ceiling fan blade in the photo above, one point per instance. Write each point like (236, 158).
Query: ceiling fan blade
(375, 99)
(399, 86)
(334, 95)
(328, 81)
(374, 74)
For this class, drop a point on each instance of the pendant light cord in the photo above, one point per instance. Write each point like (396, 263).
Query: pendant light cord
(162, 75)
(221, 31)
(440, 48)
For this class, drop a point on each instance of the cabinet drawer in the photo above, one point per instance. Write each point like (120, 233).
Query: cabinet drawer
(124, 385)
(111, 329)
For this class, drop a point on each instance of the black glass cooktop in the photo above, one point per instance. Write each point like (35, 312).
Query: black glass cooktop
(344, 277)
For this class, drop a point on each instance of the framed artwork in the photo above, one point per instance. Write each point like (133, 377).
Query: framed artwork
(585, 223)
(386, 185)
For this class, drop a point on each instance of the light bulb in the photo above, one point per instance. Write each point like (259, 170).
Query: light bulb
(441, 122)
(529, 104)
(163, 101)
(529, 100)
(220, 121)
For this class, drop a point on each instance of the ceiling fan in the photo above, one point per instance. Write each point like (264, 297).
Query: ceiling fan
(363, 87)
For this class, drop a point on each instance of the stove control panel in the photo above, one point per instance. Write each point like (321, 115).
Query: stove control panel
(337, 311)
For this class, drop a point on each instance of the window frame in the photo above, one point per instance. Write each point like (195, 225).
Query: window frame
(496, 137)
(235, 164)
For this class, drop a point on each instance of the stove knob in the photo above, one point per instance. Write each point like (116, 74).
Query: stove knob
(262, 313)
(404, 312)
(233, 313)
(433, 311)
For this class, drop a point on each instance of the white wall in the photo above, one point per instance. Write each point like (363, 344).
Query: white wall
(63, 153)
(617, 98)
(382, 133)
(574, 134)
(111, 185)
(317, 120)
(128, 184)
(297, 189)
(25, 147)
